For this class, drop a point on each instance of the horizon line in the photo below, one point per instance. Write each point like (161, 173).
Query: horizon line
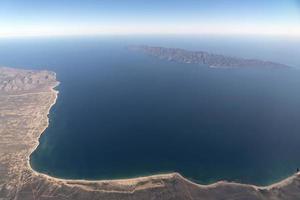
(291, 35)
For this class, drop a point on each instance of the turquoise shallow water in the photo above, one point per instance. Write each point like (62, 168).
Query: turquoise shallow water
(123, 114)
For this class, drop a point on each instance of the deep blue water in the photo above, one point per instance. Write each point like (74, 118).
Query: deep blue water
(123, 114)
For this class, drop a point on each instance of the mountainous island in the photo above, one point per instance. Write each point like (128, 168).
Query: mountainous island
(26, 97)
(204, 58)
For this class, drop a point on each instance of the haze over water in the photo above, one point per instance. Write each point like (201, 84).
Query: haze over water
(122, 114)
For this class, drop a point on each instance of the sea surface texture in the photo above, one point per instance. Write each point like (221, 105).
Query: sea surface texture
(123, 114)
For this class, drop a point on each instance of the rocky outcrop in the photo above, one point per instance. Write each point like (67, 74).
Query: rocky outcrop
(25, 80)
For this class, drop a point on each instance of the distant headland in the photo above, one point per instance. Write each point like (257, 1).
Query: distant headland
(205, 58)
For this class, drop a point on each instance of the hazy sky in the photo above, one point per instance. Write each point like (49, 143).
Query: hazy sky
(75, 17)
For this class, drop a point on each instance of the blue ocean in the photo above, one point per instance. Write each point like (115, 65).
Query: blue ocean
(123, 114)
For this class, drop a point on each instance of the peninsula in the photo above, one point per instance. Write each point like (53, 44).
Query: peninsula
(26, 97)
(204, 58)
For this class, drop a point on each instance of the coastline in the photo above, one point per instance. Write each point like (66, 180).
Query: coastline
(24, 183)
(55, 92)
(139, 178)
